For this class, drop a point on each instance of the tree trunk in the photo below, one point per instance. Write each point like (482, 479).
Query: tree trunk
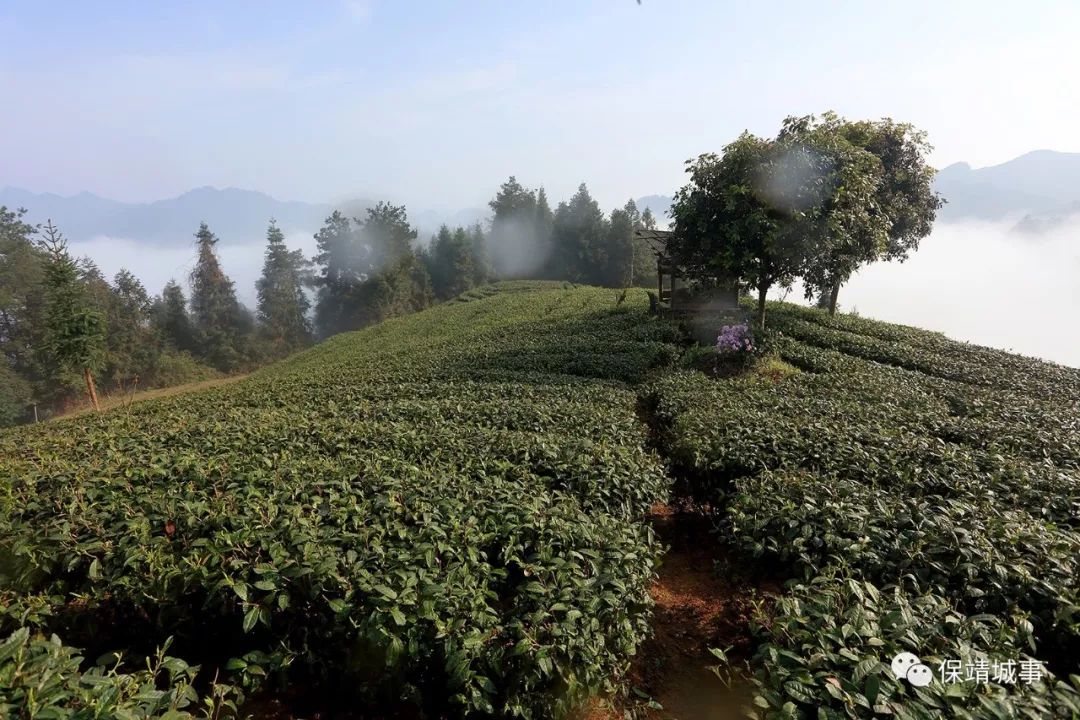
(834, 292)
(763, 289)
(90, 390)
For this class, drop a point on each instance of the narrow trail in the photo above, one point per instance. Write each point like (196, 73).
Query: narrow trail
(703, 600)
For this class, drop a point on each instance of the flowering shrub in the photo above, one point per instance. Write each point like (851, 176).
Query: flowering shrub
(734, 339)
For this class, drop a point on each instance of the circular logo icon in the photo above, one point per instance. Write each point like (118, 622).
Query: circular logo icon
(902, 663)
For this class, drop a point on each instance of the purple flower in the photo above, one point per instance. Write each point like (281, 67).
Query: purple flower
(734, 339)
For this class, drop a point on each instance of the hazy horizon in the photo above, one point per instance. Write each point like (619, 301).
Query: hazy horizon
(430, 105)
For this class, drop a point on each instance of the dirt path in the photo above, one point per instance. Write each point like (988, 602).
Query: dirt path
(703, 601)
(119, 399)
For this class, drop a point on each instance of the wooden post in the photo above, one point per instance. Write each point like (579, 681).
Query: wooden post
(90, 388)
(35, 413)
(134, 385)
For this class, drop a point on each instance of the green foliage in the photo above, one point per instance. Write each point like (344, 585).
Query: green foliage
(451, 263)
(826, 653)
(580, 242)
(283, 305)
(74, 336)
(887, 203)
(944, 474)
(739, 215)
(43, 678)
(369, 270)
(15, 396)
(516, 247)
(373, 509)
(22, 296)
(223, 325)
(171, 319)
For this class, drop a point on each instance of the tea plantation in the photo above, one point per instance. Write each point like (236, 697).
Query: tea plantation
(442, 511)
(446, 513)
(922, 495)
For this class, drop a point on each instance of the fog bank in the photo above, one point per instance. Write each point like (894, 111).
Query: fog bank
(155, 265)
(979, 282)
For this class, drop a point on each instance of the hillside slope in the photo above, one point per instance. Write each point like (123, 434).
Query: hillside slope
(444, 514)
(442, 511)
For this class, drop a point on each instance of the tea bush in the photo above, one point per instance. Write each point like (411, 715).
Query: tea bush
(898, 459)
(443, 510)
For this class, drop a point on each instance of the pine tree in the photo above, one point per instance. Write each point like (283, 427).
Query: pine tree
(74, 331)
(481, 263)
(451, 263)
(513, 246)
(217, 315)
(283, 306)
(648, 220)
(580, 251)
(132, 345)
(344, 264)
(544, 225)
(387, 233)
(620, 247)
(171, 319)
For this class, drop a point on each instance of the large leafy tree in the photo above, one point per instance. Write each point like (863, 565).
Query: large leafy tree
(283, 306)
(74, 330)
(739, 216)
(217, 316)
(885, 175)
(22, 300)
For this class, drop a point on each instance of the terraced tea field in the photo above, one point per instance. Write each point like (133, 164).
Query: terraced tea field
(444, 515)
(922, 495)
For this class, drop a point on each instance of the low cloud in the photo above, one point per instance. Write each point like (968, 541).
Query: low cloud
(156, 266)
(985, 284)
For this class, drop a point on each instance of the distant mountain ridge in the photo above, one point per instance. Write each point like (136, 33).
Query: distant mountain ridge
(1041, 189)
(1037, 183)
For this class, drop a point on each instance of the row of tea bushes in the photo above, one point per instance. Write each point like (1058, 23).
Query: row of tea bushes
(442, 511)
(901, 465)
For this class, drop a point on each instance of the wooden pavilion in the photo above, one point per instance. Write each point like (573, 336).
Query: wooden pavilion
(681, 295)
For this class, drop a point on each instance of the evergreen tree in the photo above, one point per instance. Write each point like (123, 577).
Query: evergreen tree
(451, 263)
(22, 303)
(543, 228)
(344, 264)
(620, 247)
(514, 247)
(648, 221)
(435, 256)
(481, 263)
(580, 237)
(74, 331)
(399, 282)
(283, 306)
(171, 319)
(388, 235)
(132, 344)
(217, 315)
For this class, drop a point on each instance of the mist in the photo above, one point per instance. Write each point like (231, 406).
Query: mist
(983, 283)
(155, 266)
(974, 281)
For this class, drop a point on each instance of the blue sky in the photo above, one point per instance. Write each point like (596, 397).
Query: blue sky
(435, 103)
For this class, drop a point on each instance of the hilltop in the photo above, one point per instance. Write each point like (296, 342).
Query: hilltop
(453, 512)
